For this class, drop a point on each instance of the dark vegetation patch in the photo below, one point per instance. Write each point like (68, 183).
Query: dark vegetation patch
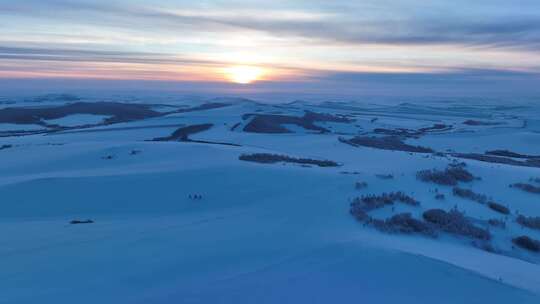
(183, 133)
(498, 208)
(265, 123)
(266, 158)
(532, 222)
(273, 124)
(435, 127)
(360, 206)
(120, 112)
(404, 223)
(526, 187)
(455, 222)
(506, 153)
(471, 122)
(529, 162)
(403, 132)
(480, 198)
(434, 220)
(449, 177)
(75, 222)
(213, 142)
(527, 243)
(349, 172)
(3, 147)
(469, 194)
(392, 143)
(395, 143)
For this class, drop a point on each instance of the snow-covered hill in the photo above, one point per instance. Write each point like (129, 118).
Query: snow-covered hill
(178, 217)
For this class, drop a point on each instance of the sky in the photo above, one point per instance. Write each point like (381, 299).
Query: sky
(395, 47)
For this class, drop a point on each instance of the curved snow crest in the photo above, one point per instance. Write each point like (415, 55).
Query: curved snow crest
(507, 270)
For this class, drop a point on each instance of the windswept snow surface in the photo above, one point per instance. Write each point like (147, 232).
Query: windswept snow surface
(262, 233)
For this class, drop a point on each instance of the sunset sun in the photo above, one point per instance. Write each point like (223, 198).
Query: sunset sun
(244, 74)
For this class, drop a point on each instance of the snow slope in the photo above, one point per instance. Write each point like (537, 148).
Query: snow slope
(277, 233)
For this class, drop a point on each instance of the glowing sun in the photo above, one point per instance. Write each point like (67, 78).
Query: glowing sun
(244, 74)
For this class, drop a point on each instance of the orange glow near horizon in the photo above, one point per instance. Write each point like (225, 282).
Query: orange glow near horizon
(243, 74)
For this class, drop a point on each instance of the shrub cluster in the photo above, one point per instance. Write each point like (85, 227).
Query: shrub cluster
(75, 222)
(387, 199)
(480, 198)
(455, 222)
(392, 143)
(266, 158)
(404, 223)
(507, 153)
(271, 123)
(528, 243)
(182, 134)
(402, 132)
(362, 205)
(498, 208)
(359, 213)
(469, 194)
(532, 222)
(349, 172)
(527, 187)
(471, 122)
(449, 177)
(530, 162)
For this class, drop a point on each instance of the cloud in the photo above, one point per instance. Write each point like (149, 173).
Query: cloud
(72, 55)
(347, 25)
(524, 34)
(135, 38)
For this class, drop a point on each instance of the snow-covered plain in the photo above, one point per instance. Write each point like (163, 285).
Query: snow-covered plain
(262, 233)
